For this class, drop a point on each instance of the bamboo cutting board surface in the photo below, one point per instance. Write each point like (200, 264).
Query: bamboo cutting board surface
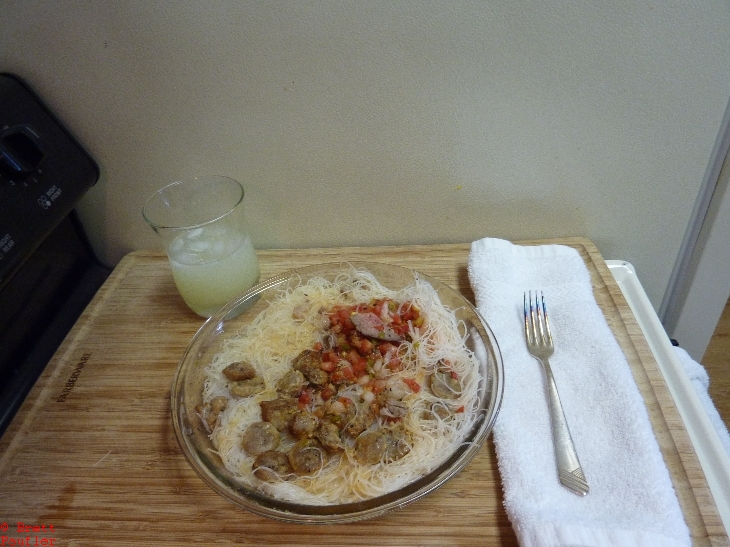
(92, 451)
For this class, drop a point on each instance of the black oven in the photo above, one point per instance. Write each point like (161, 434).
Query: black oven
(48, 271)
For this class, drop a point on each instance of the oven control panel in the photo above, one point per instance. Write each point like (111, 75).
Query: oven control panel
(44, 171)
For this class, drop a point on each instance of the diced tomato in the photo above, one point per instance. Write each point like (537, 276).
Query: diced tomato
(359, 363)
(460, 409)
(367, 346)
(317, 346)
(411, 383)
(305, 398)
(363, 345)
(327, 393)
(340, 320)
(395, 364)
(327, 366)
(330, 356)
(341, 373)
(378, 386)
(344, 319)
(385, 347)
(410, 314)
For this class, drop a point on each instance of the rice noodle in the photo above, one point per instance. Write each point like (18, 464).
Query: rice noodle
(274, 338)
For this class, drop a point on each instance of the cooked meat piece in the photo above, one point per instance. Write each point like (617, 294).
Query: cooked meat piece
(209, 412)
(362, 419)
(218, 404)
(384, 445)
(279, 412)
(437, 410)
(371, 325)
(260, 437)
(303, 425)
(239, 371)
(308, 362)
(246, 388)
(299, 313)
(307, 456)
(272, 466)
(329, 341)
(444, 385)
(329, 436)
(291, 383)
(394, 408)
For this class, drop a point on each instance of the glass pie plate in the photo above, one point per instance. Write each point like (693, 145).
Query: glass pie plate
(187, 394)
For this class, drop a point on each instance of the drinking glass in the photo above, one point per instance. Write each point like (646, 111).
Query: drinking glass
(201, 224)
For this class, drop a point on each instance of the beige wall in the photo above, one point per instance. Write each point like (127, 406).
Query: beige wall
(372, 123)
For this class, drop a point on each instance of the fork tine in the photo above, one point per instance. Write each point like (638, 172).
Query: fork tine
(549, 336)
(535, 317)
(530, 331)
(539, 321)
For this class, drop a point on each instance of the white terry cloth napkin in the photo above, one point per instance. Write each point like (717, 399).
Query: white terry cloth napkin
(631, 501)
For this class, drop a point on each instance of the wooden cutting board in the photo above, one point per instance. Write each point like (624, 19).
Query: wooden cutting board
(92, 451)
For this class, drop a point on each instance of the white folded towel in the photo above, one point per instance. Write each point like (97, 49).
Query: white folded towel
(631, 500)
(700, 380)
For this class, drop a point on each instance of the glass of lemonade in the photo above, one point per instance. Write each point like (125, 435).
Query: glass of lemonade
(201, 224)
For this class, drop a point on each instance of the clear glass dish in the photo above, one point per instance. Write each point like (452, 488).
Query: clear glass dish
(187, 390)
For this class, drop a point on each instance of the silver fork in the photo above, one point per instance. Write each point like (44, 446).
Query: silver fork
(540, 346)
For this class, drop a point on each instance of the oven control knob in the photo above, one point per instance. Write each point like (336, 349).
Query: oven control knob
(20, 151)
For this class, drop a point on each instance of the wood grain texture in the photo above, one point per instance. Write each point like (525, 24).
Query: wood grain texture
(93, 453)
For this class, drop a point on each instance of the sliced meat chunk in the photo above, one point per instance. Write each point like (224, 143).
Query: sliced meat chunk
(309, 363)
(329, 435)
(240, 370)
(291, 383)
(303, 425)
(383, 445)
(393, 408)
(444, 385)
(210, 411)
(371, 325)
(272, 466)
(359, 420)
(307, 456)
(437, 411)
(279, 412)
(260, 437)
(246, 388)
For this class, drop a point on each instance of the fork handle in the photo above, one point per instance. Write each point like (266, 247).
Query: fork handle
(570, 471)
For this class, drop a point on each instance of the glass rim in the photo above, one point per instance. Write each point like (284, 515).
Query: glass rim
(187, 181)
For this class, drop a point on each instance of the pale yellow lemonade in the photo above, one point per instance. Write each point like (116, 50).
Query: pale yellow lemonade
(211, 266)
